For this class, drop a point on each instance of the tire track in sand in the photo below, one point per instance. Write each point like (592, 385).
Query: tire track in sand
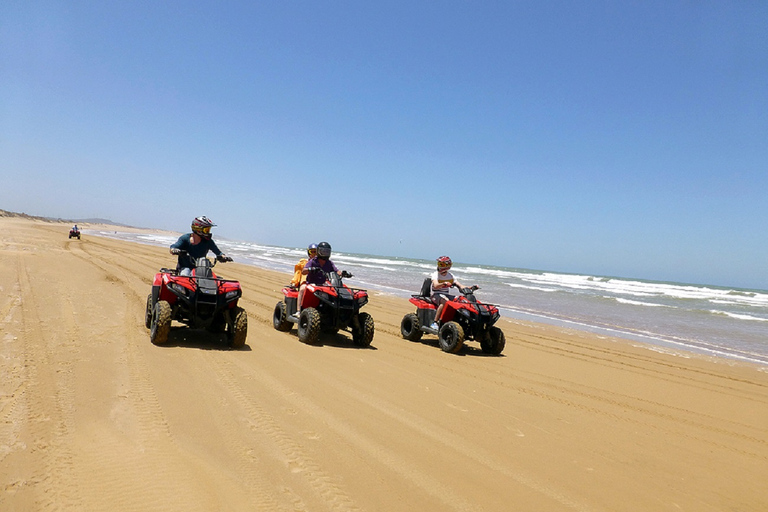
(48, 402)
(155, 461)
(13, 368)
(298, 461)
(424, 428)
(139, 405)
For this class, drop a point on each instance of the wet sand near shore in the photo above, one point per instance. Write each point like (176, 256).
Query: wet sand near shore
(95, 417)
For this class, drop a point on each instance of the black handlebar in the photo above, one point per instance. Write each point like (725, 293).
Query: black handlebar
(221, 257)
(344, 273)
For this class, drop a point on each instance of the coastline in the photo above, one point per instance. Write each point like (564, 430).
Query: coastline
(96, 417)
(714, 335)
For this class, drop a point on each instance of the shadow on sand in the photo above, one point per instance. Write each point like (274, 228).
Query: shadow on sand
(182, 336)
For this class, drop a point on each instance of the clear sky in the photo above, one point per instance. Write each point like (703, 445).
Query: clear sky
(625, 138)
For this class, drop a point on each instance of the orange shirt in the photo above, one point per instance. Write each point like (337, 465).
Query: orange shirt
(298, 278)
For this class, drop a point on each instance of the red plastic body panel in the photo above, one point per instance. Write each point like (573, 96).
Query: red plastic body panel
(163, 279)
(311, 301)
(450, 308)
(422, 303)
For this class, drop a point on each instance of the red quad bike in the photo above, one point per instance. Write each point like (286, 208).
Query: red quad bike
(328, 307)
(463, 318)
(74, 233)
(201, 301)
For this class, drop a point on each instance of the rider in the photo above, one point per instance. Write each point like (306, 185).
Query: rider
(298, 277)
(196, 245)
(442, 280)
(322, 261)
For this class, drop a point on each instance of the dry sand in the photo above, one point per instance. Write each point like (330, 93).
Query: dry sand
(96, 418)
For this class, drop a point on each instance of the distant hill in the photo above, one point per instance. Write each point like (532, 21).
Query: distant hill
(5, 213)
(102, 221)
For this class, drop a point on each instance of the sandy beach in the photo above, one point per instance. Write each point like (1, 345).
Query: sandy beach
(95, 417)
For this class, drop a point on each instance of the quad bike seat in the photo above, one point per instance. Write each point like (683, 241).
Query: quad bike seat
(426, 288)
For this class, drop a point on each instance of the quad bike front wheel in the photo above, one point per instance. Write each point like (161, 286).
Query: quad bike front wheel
(279, 318)
(309, 326)
(363, 335)
(148, 313)
(451, 337)
(494, 341)
(410, 327)
(161, 323)
(238, 327)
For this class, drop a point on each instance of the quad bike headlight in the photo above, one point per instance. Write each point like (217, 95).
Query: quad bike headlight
(178, 289)
(324, 297)
(232, 295)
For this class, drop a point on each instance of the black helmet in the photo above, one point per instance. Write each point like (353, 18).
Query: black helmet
(324, 250)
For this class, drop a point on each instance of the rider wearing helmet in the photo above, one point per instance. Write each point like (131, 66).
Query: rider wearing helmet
(321, 260)
(442, 280)
(298, 277)
(196, 245)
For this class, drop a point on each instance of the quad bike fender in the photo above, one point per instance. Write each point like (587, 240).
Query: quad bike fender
(155, 294)
(310, 299)
(450, 309)
(228, 286)
(461, 305)
(166, 295)
(360, 294)
(166, 280)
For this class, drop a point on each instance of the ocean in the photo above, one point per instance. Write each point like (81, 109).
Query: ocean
(671, 317)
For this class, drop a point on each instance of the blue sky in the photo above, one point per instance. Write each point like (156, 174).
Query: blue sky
(612, 138)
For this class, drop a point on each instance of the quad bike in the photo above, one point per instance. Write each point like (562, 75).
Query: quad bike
(328, 307)
(462, 318)
(201, 301)
(74, 233)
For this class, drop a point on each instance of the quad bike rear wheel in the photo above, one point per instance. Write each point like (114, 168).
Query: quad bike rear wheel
(309, 326)
(238, 328)
(494, 341)
(451, 337)
(161, 323)
(363, 336)
(279, 318)
(410, 327)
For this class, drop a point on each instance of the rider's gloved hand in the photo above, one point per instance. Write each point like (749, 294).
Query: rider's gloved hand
(344, 273)
(175, 251)
(223, 258)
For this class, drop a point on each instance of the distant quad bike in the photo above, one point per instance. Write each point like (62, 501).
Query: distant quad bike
(462, 318)
(201, 301)
(74, 233)
(328, 307)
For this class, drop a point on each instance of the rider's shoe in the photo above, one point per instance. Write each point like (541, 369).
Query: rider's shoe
(434, 326)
